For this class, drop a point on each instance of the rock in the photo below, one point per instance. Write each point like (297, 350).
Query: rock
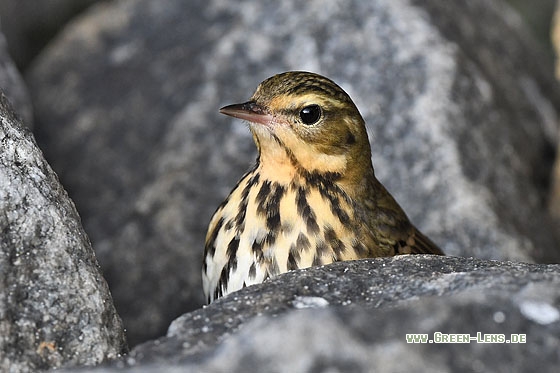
(29, 25)
(13, 86)
(537, 18)
(462, 122)
(554, 204)
(355, 316)
(55, 306)
(555, 37)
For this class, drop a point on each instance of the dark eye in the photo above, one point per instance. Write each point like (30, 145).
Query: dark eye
(310, 114)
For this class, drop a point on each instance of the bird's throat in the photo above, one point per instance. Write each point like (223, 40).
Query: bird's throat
(282, 160)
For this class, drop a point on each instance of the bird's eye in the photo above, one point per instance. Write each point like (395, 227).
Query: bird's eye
(310, 114)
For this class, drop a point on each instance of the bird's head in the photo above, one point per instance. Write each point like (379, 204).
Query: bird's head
(307, 122)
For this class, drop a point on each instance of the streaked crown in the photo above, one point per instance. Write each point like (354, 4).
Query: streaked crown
(300, 83)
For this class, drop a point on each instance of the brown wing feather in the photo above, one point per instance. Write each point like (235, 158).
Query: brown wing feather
(421, 244)
(392, 226)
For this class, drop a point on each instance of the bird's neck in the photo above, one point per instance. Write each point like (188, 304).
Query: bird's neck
(281, 170)
(278, 163)
(288, 164)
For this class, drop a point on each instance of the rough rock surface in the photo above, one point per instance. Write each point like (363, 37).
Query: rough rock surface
(462, 121)
(354, 317)
(13, 86)
(55, 306)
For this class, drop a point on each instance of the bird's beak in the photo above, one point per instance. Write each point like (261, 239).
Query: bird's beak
(249, 111)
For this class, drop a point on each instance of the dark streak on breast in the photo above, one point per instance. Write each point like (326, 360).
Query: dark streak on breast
(273, 268)
(256, 247)
(303, 243)
(262, 196)
(335, 243)
(333, 194)
(231, 253)
(293, 257)
(305, 211)
(253, 271)
(210, 247)
(322, 248)
(317, 260)
(239, 220)
(273, 207)
(270, 238)
(222, 282)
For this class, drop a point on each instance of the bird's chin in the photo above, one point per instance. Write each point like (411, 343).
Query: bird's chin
(261, 130)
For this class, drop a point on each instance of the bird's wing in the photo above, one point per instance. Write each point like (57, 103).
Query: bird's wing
(393, 227)
(420, 244)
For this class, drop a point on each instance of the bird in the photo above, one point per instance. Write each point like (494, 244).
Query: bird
(311, 197)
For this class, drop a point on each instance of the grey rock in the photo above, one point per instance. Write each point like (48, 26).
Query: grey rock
(13, 86)
(354, 317)
(55, 307)
(29, 24)
(462, 121)
(538, 18)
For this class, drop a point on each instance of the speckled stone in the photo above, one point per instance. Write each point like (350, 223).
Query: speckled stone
(55, 307)
(354, 317)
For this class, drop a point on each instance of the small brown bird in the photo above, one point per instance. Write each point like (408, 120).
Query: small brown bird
(312, 197)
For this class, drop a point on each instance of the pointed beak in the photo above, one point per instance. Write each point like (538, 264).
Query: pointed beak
(249, 111)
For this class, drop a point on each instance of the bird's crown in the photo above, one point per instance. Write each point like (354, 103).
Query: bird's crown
(300, 83)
